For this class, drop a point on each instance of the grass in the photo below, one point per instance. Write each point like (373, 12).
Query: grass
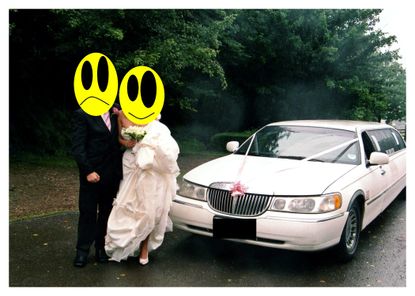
(66, 161)
(203, 153)
(55, 161)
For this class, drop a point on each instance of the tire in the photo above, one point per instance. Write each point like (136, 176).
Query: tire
(349, 241)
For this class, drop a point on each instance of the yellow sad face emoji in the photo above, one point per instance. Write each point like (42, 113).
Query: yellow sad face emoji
(95, 84)
(141, 95)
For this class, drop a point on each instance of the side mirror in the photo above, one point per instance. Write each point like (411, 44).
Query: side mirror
(378, 158)
(232, 146)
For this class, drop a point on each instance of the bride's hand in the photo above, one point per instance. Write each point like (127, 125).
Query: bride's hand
(130, 144)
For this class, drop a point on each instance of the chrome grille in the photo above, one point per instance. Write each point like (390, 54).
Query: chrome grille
(243, 205)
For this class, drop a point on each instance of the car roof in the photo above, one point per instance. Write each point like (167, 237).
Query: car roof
(350, 125)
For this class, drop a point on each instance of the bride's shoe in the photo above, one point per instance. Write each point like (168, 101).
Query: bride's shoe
(144, 261)
(143, 250)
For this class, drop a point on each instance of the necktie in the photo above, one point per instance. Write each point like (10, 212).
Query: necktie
(106, 117)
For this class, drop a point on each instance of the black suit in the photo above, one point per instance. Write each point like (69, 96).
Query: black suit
(95, 149)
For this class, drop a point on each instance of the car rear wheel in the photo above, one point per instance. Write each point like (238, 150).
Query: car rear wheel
(351, 233)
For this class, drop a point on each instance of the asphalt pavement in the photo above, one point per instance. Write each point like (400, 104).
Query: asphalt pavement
(42, 250)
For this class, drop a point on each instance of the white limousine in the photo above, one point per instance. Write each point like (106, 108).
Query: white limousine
(300, 185)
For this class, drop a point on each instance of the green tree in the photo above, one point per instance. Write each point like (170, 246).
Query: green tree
(47, 45)
(223, 70)
(299, 64)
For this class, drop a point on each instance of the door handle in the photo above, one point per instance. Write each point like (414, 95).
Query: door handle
(382, 171)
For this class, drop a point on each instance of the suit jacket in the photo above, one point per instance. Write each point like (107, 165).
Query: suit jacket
(95, 148)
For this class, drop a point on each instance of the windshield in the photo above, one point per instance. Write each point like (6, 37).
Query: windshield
(299, 142)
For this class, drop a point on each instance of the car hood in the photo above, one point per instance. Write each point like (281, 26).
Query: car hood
(271, 176)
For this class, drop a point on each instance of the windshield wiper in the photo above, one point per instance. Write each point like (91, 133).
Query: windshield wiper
(317, 160)
(291, 157)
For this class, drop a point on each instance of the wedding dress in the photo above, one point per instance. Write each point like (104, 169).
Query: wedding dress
(145, 195)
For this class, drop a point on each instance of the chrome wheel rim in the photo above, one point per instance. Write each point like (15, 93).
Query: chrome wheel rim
(351, 230)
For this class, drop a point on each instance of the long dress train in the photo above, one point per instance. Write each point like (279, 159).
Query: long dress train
(144, 199)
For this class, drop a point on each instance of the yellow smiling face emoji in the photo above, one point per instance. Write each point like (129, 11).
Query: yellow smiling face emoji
(95, 84)
(141, 95)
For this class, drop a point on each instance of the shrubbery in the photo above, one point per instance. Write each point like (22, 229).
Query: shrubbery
(191, 146)
(200, 139)
(218, 141)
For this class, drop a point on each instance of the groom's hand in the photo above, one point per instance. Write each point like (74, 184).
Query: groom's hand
(93, 177)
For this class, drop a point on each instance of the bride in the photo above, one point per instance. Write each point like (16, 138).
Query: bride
(139, 217)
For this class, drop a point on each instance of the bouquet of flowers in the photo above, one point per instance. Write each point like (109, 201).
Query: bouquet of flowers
(133, 133)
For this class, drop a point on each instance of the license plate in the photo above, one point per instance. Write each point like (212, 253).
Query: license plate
(234, 228)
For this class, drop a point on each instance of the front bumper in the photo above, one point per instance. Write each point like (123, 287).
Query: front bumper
(306, 232)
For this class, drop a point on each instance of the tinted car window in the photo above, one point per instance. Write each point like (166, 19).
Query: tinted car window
(399, 140)
(367, 144)
(386, 140)
(299, 142)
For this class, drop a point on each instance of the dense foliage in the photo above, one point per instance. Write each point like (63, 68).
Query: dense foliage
(224, 70)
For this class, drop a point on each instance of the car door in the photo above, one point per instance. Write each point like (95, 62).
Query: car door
(390, 142)
(375, 179)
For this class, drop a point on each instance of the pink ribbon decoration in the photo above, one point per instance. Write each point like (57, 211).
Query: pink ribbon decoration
(238, 189)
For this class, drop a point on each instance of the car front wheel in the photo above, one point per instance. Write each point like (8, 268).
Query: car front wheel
(350, 235)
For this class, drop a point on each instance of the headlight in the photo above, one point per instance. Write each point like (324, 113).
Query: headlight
(331, 202)
(312, 204)
(192, 190)
(301, 205)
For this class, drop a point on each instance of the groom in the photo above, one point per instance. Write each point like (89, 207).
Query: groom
(97, 152)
